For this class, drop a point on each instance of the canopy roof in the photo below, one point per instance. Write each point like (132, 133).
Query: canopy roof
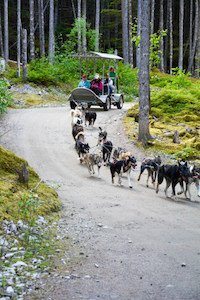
(98, 55)
(106, 55)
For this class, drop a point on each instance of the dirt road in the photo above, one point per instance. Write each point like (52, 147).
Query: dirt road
(131, 244)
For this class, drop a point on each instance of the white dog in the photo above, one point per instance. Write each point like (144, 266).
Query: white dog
(76, 115)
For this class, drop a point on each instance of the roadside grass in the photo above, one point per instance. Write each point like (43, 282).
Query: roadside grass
(28, 204)
(175, 106)
(26, 100)
(19, 202)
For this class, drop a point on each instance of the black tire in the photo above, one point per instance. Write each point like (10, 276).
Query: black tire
(120, 103)
(107, 105)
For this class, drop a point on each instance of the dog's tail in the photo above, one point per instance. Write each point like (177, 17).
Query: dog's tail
(160, 177)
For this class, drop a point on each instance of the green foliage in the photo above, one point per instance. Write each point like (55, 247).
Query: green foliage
(155, 39)
(155, 47)
(181, 79)
(174, 101)
(178, 80)
(128, 80)
(70, 46)
(28, 205)
(64, 70)
(135, 38)
(187, 153)
(5, 98)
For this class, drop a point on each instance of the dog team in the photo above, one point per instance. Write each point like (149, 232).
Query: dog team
(122, 162)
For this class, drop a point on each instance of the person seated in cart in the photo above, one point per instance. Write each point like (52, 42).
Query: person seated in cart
(112, 75)
(84, 82)
(108, 85)
(96, 85)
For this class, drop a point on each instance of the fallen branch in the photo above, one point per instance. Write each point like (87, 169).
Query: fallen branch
(37, 185)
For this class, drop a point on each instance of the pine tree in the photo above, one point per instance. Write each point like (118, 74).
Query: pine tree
(144, 84)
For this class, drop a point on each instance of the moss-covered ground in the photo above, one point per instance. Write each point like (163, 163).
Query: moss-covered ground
(28, 203)
(19, 201)
(175, 106)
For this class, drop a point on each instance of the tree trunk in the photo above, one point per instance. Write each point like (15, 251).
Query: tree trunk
(139, 13)
(197, 54)
(32, 31)
(195, 37)
(73, 9)
(1, 38)
(84, 25)
(56, 14)
(144, 85)
(18, 36)
(152, 15)
(130, 33)
(41, 27)
(116, 30)
(6, 33)
(79, 26)
(24, 55)
(161, 26)
(181, 18)
(170, 36)
(97, 25)
(190, 30)
(125, 32)
(51, 32)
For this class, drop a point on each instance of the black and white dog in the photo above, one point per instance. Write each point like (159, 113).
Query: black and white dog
(76, 128)
(193, 178)
(172, 174)
(152, 166)
(90, 118)
(81, 147)
(123, 166)
(106, 145)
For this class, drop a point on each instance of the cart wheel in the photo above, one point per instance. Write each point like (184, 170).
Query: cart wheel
(107, 105)
(120, 103)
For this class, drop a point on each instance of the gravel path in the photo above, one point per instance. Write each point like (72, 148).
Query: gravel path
(126, 243)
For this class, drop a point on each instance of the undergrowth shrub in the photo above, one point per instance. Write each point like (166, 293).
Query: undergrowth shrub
(5, 98)
(64, 70)
(174, 101)
(178, 80)
(128, 80)
(187, 153)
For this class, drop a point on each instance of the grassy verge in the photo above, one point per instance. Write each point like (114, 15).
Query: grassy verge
(175, 106)
(17, 201)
